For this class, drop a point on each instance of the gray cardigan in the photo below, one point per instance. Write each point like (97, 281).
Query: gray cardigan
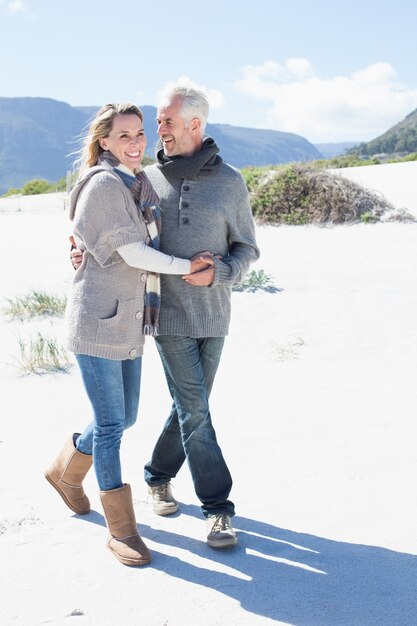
(209, 212)
(106, 300)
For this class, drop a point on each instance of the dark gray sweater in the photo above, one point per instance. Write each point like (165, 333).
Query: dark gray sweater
(209, 211)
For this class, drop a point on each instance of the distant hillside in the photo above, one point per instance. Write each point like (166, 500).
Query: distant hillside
(331, 150)
(252, 146)
(37, 134)
(400, 139)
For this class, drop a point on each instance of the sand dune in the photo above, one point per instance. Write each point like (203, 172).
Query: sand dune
(314, 406)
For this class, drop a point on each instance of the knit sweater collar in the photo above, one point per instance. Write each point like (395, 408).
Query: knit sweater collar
(189, 167)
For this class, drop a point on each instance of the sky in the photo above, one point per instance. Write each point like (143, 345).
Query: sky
(328, 71)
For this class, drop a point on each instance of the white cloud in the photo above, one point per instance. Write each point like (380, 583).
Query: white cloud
(215, 97)
(16, 6)
(140, 95)
(344, 108)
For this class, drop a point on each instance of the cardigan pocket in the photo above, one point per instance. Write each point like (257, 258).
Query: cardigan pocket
(116, 331)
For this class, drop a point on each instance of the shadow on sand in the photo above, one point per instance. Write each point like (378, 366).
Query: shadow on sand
(297, 578)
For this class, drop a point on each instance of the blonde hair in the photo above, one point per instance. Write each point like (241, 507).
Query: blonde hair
(100, 128)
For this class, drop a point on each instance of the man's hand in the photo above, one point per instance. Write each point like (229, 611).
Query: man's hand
(201, 261)
(205, 276)
(76, 256)
(202, 269)
(200, 279)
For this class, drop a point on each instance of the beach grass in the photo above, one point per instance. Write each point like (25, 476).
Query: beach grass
(35, 304)
(43, 354)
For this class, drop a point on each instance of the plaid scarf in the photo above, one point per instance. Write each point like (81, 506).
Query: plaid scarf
(147, 203)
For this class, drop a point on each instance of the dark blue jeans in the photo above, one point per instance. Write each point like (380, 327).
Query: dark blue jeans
(113, 389)
(190, 366)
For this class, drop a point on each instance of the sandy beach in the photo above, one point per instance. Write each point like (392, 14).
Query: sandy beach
(314, 406)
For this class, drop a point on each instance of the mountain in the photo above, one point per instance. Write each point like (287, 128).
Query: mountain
(251, 146)
(38, 134)
(331, 150)
(399, 139)
(35, 136)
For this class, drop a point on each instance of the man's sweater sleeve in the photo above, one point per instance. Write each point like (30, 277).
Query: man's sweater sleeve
(242, 247)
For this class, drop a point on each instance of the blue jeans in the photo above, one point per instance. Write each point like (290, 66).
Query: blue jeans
(190, 366)
(113, 389)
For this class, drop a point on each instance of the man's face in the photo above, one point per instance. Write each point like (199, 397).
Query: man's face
(178, 138)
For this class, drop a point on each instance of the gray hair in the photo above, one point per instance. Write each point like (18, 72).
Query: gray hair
(194, 103)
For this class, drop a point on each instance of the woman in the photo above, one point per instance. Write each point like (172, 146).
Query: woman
(114, 301)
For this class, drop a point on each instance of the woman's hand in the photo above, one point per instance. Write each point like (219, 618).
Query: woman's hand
(76, 256)
(202, 270)
(201, 262)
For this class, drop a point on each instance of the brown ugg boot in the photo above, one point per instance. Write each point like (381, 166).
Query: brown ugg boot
(124, 540)
(66, 475)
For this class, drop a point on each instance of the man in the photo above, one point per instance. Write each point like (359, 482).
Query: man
(205, 206)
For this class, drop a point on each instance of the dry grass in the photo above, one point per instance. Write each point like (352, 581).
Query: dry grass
(42, 355)
(35, 304)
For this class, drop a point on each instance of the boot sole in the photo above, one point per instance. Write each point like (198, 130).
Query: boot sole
(229, 543)
(169, 511)
(63, 496)
(129, 561)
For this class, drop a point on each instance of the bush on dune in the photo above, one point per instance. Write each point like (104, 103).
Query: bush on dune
(303, 194)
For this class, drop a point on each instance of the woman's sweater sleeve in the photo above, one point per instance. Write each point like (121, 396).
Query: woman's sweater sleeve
(142, 256)
(101, 219)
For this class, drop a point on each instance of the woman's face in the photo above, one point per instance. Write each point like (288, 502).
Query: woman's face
(126, 141)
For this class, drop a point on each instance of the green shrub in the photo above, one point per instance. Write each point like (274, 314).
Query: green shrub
(257, 280)
(13, 191)
(36, 186)
(40, 185)
(253, 176)
(343, 160)
(147, 161)
(368, 218)
(61, 184)
(283, 184)
(408, 157)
